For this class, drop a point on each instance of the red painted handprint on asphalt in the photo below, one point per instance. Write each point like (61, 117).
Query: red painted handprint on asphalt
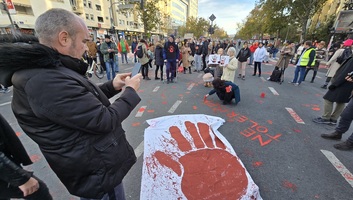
(207, 169)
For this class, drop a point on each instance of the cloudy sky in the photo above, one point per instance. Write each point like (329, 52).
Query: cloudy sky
(227, 12)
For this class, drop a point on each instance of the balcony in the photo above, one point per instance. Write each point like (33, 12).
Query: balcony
(77, 6)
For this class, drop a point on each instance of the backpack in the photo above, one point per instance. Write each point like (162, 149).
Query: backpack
(345, 55)
(139, 52)
(276, 75)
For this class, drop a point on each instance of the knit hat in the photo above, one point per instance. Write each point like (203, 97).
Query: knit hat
(348, 43)
(172, 36)
(208, 77)
(107, 36)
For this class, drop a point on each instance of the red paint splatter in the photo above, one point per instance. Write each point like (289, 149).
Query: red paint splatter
(348, 176)
(150, 111)
(317, 196)
(257, 164)
(140, 91)
(181, 95)
(163, 96)
(194, 107)
(290, 185)
(136, 124)
(316, 109)
(173, 87)
(164, 102)
(35, 158)
(18, 134)
(297, 130)
(187, 92)
(141, 110)
(269, 122)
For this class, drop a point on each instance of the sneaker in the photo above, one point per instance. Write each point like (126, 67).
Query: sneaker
(268, 78)
(291, 82)
(239, 76)
(254, 75)
(259, 75)
(171, 81)
(324, 87)
(243, 78)
(332, 136)
(312, 81)
(296, 84)
(167, 81)
(333, 122)
(345, 146)
(147, 78)
(321, 120)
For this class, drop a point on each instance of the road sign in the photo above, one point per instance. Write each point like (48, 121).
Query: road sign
(212, 17)
(10, 7)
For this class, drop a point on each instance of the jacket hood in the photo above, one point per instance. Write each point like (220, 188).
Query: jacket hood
(20, 55)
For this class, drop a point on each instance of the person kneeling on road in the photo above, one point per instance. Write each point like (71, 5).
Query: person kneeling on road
(225, 90)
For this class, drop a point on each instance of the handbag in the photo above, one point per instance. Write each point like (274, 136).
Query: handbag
(190, 58)
(180, 68)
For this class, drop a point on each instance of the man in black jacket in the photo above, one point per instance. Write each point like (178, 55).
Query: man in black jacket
(16, 182)
(71, 119)
(204, 52)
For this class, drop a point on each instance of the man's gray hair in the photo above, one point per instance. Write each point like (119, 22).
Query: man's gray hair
(232, 49)
(53, 21)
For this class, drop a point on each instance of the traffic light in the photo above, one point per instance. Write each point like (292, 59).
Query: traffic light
(211, 30)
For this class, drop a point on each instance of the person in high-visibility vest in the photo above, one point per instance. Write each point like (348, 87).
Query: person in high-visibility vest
(307, 59)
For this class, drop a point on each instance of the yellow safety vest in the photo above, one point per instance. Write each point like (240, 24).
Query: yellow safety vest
(304, 60)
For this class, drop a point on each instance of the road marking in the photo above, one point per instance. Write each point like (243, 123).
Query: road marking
(139, 150)
(141, 111)
(319, 77)
(128, 68)
(339, 166)
(191, 86)
(175, 106)
(263, 79)
(4, 104)
(273, 91)
(295, 116)
(156, 89)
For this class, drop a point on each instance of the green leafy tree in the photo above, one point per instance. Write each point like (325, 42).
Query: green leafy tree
(197, 26)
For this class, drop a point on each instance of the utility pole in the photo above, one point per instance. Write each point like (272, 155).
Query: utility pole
(3, 6)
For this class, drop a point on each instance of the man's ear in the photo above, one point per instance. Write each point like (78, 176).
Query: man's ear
(64, 39)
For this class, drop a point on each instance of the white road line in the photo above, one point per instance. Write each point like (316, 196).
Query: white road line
(141, 111)
(295, 116)
(319, 77)
(263, 79)
(199, 76)
(273, 91)
(339, 166)
(4, 104)
(156, 89)
(191, 86)
(139, 150)
(128, 68)
(175, 106)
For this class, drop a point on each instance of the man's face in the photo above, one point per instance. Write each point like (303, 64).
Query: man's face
(170, 39)
(260, 45)
(78, 43)
(107, 39)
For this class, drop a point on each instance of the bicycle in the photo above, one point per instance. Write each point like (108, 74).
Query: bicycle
(96, 69)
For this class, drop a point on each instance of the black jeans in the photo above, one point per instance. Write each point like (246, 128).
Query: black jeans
(14, 192)
(257, 65)
(156, 72)
(346, 120)
(204, 62)
(315, 68)
(144, 70)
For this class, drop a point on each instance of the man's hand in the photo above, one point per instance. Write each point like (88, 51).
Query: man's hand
(205, 97)
(133, 82)
(29, 187)
(119, 80)
(349, 78)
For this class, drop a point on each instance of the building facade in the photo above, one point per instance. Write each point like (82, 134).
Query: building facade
(101, 15)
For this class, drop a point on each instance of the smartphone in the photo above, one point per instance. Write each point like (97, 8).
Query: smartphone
(350, 74)
(135, 69)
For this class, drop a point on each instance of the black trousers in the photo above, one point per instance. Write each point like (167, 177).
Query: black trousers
(144, 70)
(257, 65)
(204, 62)
(14, 192)
(156, 72)
(315, 69)
(346, 120)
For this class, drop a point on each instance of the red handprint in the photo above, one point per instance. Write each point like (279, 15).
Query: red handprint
(208, 171)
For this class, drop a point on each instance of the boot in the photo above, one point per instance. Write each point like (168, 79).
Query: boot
(332, 136)
(184, 70)
(324, 86)
(345, 146)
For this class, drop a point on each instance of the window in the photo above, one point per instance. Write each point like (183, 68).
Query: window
(98, 7)
(25, 10)
(100, 19)
(90, 4)
(92, 17)
(87, 16)
(127, 23)
(106, 18)
(84, 3)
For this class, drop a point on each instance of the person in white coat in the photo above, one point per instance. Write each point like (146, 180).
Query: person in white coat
(259, 56)
(230, 68)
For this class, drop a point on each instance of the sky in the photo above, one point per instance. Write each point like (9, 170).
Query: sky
(228, 12)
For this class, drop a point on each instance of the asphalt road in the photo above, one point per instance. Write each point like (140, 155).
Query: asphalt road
(286, 159)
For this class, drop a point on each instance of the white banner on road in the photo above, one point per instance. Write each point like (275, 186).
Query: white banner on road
(185, 157)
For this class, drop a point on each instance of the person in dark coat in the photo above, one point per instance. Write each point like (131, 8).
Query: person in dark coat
(339, 92)
(242, 57)
(77, 129)
(158, 59)
(204, 53)
(133, 48)
(344, 124)
(225, 90)
(15, 182)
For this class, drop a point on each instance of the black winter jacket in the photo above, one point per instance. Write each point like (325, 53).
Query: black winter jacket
(77, 129)
(158, 55)
(341, 90)
(243, 54)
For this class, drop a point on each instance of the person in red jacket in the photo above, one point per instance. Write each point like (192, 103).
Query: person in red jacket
(252, 48)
